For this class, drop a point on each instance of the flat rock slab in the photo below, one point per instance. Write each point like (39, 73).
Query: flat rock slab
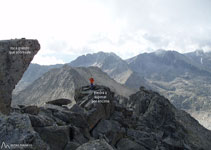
(59, 102)
(16, 129)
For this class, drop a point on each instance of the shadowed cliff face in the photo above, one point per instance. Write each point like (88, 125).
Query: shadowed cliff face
(15, 57)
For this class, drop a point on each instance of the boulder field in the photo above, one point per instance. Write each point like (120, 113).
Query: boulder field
(147, 121)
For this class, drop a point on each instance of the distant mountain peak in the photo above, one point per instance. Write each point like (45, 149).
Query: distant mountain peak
(160, 51)
(110, 63)
(199, 52)
(101, 53)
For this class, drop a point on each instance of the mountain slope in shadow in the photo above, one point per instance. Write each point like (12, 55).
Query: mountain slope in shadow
(62, 82)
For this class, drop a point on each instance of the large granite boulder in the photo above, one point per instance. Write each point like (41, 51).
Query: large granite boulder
(95, 145)
(56, 137)
(109, 129)
(72, 146)
(98, 103)
(127, 144)
(41, 121)
(15, 57)
(63, 115)
(16, 129)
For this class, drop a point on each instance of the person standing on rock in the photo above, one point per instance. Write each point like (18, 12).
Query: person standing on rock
(92, 82)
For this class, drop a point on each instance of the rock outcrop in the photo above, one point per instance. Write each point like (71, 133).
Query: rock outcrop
(146, 121)
(99, 120)
(98, 104)
(97, 144)
(159, 122)
(15, 57)
(17, 132)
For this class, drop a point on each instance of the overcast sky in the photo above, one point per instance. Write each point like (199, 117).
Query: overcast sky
(70, 28)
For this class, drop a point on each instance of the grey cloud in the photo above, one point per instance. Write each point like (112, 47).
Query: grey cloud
(100, 38)
(123, 38)
(57, 45)
(204, 43)
(179, 24)
(165, 21)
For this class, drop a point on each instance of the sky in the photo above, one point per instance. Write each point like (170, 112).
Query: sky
(67, 29)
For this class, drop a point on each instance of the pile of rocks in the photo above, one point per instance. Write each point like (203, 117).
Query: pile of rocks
(148, 122)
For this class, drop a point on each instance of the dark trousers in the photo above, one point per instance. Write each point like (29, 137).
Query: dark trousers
(92, 86)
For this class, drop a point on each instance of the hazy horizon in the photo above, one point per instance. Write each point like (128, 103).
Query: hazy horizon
(115, 54)
(67, 29)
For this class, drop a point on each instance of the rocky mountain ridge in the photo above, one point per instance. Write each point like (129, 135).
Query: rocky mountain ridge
(33, 72)
(111, 64)
(62, 82)
(182, 78)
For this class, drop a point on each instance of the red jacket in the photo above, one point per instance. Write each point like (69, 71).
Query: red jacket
(91, 80)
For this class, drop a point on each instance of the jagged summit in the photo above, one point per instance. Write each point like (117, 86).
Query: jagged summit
(113, 65)
(95, 59)
(199, 52)
(147, 117)
(160, 52)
